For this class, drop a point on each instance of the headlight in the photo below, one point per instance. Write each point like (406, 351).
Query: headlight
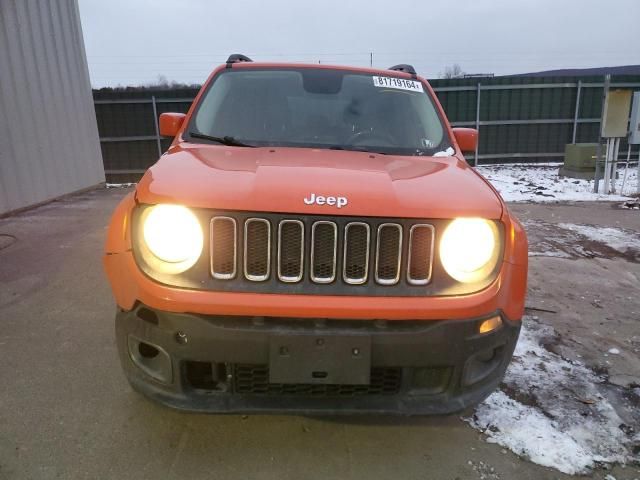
(172, 233)
(469, 249)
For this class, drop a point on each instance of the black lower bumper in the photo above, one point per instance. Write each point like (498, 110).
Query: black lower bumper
(222, 364)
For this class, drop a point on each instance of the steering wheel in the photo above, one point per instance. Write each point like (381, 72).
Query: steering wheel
(361, 137)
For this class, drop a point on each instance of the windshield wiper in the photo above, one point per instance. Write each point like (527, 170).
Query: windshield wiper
(355, 148)
(226, 140)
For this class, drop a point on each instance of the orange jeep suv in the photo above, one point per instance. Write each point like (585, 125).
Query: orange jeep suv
(314, 241)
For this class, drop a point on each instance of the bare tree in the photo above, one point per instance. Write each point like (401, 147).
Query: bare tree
(454, 71)
(161, 82)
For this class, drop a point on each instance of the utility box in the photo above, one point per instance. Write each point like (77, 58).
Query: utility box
(579, 160)
(634, 123)
(580, 156)
(616, 113)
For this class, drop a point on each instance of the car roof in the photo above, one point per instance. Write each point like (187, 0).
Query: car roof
(374, 71)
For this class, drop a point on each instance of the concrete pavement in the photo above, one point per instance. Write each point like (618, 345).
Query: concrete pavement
(66, 410)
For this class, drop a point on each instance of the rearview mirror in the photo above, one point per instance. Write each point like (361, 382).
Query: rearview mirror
(466, 138)
(170, 123)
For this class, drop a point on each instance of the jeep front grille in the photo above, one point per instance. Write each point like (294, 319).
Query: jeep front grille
(420, 254)
(388, 253)
(257, 249)
(320, 250)
(324, 249)
(223, 248)
(355, 268)
(290, 250)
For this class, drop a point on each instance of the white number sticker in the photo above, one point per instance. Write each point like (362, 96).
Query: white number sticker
(399, 83)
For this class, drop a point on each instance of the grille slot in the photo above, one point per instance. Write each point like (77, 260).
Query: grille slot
(355, 269)
(254, 379)
(257, 249)
(223, 248)
(290, 250)
(324, 243)
(388, 253)
(420, 254)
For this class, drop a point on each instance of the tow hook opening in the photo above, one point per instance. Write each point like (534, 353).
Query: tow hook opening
(151, 359)
(482, 364)
(147, 351)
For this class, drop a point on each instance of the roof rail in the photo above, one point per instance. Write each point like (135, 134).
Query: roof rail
(237, 58)
(406, 68)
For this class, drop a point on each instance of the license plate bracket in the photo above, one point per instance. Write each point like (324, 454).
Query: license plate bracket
(320, 359)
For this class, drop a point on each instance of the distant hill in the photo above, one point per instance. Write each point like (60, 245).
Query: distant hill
(585, 72)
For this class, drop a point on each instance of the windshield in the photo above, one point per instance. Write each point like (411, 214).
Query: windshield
(320, 109)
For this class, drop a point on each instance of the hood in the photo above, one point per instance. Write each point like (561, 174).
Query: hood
(280, 179)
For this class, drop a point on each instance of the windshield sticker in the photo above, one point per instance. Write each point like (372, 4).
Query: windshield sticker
(399, 83)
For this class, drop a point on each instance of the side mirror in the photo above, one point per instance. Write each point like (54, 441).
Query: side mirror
(170, 123)
(467, 139)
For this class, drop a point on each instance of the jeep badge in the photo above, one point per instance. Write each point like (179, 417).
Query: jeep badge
(322, 200)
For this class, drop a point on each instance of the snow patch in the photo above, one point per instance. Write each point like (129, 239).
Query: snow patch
(616, 238)
(551, 411)
(541, 183)
(614, 351)
(549, 253)
(527, 432)
(119, 185)
(569, 240)
(446, 153)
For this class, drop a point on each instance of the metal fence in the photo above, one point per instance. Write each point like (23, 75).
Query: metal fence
(527, 119)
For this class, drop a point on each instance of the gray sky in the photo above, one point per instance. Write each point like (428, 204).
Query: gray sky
(133, 41)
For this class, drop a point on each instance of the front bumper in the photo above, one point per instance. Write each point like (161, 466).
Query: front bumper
(211, 363)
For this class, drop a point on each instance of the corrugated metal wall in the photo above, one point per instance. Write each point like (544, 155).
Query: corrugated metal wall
(505, 113)
(126, 114)
(49, 144)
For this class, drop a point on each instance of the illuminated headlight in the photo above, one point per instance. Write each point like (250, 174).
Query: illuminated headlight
(469, 249)
(173, 235)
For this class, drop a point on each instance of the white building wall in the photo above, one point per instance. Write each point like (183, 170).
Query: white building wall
(49, 144)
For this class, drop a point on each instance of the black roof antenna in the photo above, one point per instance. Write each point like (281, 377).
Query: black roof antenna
(236, 58)
(403, 67)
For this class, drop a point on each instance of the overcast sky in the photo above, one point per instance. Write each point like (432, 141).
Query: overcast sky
(132, 42)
